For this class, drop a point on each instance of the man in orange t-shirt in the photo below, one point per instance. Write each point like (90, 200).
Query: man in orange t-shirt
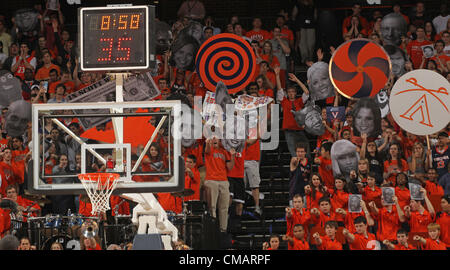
(297, 215)
(328, 241)
(66, 79)
(257, 33)
(388, 219)
(414, 47)
(362, 239)
(217, 162)
(43, 72)
(402, 242)
(417, 216)
(325, 166)
(443, 219)
(297, 242)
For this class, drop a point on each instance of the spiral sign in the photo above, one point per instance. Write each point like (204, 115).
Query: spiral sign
(359, 68)
(227, 58)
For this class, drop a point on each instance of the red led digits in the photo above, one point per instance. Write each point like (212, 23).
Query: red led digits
(105, 22)
(106, 49)
(123, 22)
(134, 23)
(119, 48)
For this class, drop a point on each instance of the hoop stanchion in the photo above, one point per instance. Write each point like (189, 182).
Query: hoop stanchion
(99, 187)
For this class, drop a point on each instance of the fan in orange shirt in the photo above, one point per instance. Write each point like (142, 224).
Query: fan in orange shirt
(402, 242)
(362, 239)
(314, 191)
(328, 242)
(192, 178)
(43, 72)
(298, 242)
(297, 215)
(432, 243)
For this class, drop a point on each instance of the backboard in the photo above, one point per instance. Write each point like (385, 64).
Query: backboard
(133, 139)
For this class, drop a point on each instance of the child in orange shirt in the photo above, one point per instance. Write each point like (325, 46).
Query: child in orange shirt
(314, 191)
(402, 242)
(297, 215)
(371, 193)
(361, 240)
(274, 243)
(432, 243)
(319, 218)
(298, 242)
(443, 219)
(328, 242)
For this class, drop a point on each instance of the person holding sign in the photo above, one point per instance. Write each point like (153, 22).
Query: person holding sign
(417, 216)
(388, 218)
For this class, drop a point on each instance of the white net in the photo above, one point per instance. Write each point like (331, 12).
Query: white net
(99, 187)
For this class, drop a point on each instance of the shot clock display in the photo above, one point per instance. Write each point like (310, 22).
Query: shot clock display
(114, 38)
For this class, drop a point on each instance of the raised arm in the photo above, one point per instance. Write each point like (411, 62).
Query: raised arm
(401, 214)
(428, 202)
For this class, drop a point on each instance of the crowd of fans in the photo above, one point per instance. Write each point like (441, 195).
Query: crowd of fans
(317, 214)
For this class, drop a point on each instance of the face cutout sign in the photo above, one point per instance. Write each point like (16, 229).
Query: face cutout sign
(310, 117)
(344, 158)
(185, 47)
(10, 88)
(163, 37)
(26, 19)
(17, 118)
(320, 86)
(382, 100)
(393, 27)
(366, 118)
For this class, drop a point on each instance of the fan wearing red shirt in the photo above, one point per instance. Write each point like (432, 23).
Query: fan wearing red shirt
(350, 217)
(292, 131)
(371, 193)
(414, 48)
(257, 33)
(328, 242)
(417, 215)
(320, 217)
(394, 164)
(325, 165)
(339, 195)
(402, 242)
(217, 162)
(192, 178)
(25, 206)
(90, 243)
(443, 219)
(12, 171)
(170, 203)
(388, 219)
(432, 243)
(431, 185)
(297, 242)
(315, 191)
(119, 206)
(361, 240)
(297, 215)
(274, 243)
(356, 12)
(401, 191)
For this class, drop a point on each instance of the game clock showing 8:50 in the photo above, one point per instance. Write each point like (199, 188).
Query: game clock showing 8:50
(114, 38)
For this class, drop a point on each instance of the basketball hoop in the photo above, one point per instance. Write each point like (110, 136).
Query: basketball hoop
(99, 187)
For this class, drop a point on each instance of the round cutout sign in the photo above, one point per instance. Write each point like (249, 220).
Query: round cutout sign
(359, 68)
(420, 102)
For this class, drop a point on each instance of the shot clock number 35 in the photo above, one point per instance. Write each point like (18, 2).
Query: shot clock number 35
(114, 38)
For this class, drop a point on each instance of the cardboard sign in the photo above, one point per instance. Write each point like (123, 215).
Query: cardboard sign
(420, 102)
(359, 68)
(334, 113)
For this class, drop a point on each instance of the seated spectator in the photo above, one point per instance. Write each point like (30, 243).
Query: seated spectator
(66, 79)
(329, 241)
(354, 29)
(402, 242)
(23, 60)
(297, 242)
(433, 242)
(257, 33)
(60, 94)
(348, 21)
(44, 72)
(441, 59)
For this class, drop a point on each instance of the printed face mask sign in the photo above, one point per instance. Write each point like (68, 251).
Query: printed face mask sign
(388, 194)
(185, 47)
(26, 20)
(420, 102)
(163, 37)
(428, 51)
(414, 190)
(398, 59)
(382, 100)
(310, 117)
(354, 203)
(336, 113)
(344, 158)
(319, 82)
(393, 27)
(366, 118)
(10, 88)
(17, 118)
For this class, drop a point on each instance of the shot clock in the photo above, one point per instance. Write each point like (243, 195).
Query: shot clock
(115, 38)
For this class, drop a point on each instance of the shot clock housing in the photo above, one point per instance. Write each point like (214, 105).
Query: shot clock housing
(116, 38)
